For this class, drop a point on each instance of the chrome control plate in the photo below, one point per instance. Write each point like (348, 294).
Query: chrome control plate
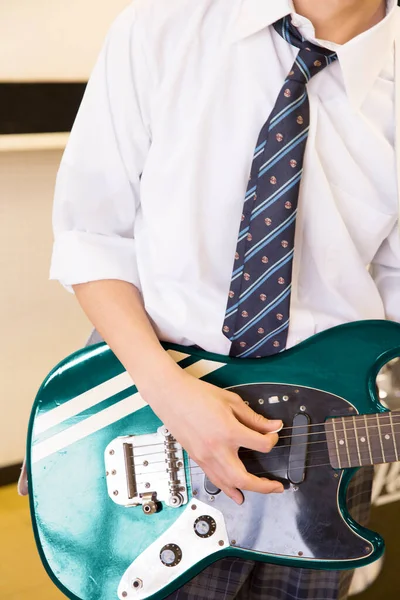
(146, 468)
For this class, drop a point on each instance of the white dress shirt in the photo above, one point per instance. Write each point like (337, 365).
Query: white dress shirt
(151, 186)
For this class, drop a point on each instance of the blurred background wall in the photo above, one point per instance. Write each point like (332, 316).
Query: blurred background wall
(52, 40)
(47, 50)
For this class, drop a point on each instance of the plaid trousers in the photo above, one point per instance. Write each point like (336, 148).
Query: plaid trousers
(236, 579)
(233, 578)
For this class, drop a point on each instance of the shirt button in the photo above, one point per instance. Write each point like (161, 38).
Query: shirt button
(298, 341)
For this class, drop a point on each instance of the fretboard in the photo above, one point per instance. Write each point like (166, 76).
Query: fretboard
(363, 440)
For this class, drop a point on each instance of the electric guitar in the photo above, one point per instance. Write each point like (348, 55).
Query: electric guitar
(119, 509)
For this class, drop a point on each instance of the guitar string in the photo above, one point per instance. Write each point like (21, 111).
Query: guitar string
(288, 445)
(283, 471)
(295, 464)
(367, 436)
(306, 467)
(356, 416)
(243, 451)
(352, 429)
(352, 455)
(273, 454)
(284, 446)
(360, 450)
(272, 457)
(308, 434)
(359, 417)
(272, 472)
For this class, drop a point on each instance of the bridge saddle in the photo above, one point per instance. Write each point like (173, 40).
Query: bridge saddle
(146, 470)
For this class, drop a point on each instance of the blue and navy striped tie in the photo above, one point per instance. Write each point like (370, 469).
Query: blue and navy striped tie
(257, 315)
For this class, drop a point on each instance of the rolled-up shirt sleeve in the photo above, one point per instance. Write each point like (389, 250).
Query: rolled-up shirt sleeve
(385, 270)
(97, 188)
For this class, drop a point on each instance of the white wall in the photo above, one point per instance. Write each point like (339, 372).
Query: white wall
(53, 40)
(40, 323)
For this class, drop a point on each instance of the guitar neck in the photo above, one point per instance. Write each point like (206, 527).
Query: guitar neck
(363, 440)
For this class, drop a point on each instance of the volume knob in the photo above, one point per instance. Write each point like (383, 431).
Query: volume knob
(170, 555)
(204, 526)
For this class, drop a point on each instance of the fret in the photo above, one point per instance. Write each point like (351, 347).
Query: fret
(341, 443)
(394, 437)
(352, 447)
(356, 438)
(380, 436)
(340, 463)
(346, 443)
(396, 425)
(375, 439)
(362, 441)
(368, 440)
(388, 440)
(331, 438)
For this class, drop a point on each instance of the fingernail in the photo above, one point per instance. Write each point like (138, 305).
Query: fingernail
(278, 489)
(278, 424)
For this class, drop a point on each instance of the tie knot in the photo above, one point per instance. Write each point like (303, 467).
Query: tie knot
(311, 59)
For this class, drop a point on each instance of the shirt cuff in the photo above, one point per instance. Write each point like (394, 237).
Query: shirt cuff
(79, 257)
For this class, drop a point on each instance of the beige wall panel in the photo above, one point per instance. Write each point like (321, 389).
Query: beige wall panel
(53, 40)
(40, 322)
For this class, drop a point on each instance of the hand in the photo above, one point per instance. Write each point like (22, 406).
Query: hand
(23, 481)
(212, 424)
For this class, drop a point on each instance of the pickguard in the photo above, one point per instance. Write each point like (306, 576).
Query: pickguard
(147, 575)
(305, 521)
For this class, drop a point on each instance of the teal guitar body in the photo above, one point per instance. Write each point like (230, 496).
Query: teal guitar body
(119, 510)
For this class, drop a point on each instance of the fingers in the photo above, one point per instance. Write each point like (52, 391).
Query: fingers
(244, 480)
(247, 416)
(260, 484)
(256, 441)
(251, 483)
(230, 476)
(234, 494)
(23, 481)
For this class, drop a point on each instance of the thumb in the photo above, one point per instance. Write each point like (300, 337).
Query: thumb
(247, 416)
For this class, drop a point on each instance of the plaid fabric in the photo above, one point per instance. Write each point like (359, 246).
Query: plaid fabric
(232, 578)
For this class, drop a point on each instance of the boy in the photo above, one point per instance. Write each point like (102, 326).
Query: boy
(159, 174)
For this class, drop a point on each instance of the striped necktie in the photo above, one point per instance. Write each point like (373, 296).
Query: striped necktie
(257, 314)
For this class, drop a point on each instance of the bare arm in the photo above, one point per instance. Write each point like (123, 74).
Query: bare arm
(210, 423)
(116, 310)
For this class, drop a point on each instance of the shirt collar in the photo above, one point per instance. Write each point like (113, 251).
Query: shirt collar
(361, 59)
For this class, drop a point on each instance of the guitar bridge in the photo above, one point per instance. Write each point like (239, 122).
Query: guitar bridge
(144, 470)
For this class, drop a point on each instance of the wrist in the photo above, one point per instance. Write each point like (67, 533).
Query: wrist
(157, 374)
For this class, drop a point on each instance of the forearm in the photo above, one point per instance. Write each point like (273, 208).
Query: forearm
(210, 423)
(116, 310)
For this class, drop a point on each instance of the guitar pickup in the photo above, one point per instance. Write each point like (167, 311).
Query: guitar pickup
(298, 448)
(145, 470)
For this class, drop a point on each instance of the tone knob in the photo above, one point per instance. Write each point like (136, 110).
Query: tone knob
(171, 555)
(204, 526)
